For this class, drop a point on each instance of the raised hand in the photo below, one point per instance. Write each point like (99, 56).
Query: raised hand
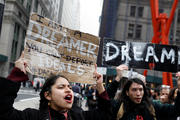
(119, 70)
(99, 80)
(21, 63)
(97, 76)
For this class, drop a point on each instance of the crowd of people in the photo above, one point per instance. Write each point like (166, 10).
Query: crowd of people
(122, 99)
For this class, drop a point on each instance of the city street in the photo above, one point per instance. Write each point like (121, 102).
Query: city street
(27, 98)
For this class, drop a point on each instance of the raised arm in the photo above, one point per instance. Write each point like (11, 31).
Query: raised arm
(99, 81)
(19, 72)
(9, 87)
(113, 86)
(103, 111)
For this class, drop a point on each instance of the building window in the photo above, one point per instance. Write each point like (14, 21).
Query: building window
(130, 30)
(15, 42)
(23, 39)
(140, 11)
(19, 14)
(28, 6)
(178, 19)
(21, 1)
(35, 5)
(133, 11)
(138, 31)
(161, 10)
(136, 11)
(134, 31)
(178, 36)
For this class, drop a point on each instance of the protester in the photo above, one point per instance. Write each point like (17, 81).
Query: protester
(172, 95)
(56, 98)
(164, 93)
(77, 96)
(134, 103)
(155, 94)
(37, 86)
(91, 98)
(82, 90)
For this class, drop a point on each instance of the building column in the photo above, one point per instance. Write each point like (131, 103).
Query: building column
(7, 35)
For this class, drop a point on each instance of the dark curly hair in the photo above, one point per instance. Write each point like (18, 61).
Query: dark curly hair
(47, 87)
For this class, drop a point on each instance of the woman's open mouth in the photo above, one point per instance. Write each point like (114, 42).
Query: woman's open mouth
(68, 98)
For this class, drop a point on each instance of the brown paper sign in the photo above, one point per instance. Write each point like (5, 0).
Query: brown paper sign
(53, 49)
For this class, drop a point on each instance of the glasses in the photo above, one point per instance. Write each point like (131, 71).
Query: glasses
(165, 86)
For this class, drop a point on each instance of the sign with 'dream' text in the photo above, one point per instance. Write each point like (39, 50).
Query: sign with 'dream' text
(53, 49)
(141, 55)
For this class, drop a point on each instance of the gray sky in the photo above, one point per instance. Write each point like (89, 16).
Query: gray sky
(90, 11)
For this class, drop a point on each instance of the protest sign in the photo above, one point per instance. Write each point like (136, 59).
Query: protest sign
(53, 49)
(141, 55)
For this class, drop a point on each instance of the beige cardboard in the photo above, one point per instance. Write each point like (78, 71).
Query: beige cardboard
(53, 49)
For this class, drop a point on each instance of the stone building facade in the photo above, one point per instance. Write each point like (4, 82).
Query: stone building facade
(15, 23)
(130, 20)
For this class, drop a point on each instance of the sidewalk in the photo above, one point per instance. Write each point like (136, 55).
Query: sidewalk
(30, 90)
(34, 103)
(27, 103)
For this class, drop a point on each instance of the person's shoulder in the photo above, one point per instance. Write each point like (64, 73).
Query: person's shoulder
(156, 102)
(32, 113)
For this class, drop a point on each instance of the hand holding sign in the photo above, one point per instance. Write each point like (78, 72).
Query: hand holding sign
(119, 71)
(99, 80)
(21, 63)
(97, 75)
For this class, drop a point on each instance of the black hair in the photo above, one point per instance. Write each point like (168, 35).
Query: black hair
(128, 104)
(47, 88)
(171, 95)
(122, 82)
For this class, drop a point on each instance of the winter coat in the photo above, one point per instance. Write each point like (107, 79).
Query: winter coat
(162, 111)
(8, 94)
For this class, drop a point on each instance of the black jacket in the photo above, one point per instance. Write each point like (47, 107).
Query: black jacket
(162, 111)
(9, 91)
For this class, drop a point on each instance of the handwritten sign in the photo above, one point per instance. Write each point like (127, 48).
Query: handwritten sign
(141, 55)
(53, 49)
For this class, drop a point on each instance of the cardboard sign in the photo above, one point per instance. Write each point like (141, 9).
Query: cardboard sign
(53, 49)
(141, 55)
